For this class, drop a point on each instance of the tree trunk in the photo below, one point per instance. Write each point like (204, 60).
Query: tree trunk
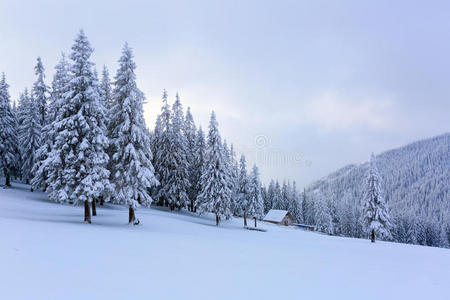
(94, 208)
(192, 205)
(245, 219)
(27, 181)
(217, 220)
(372, 237)
(8, 180)
(87, 212)
(31, 189)
(255, 222)
(102, 201)
(131, 215)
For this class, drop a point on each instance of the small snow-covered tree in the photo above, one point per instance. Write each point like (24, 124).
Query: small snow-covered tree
(256, 205)
(132, 172)
(215, 196)
(29, 136)
(60, 84)
(376, 215)
(243, 194)
(324, 222)
(77, 162)
(8, 133)
(40, 92)
(105, 89)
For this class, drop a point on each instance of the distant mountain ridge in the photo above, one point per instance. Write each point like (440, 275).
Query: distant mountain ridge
(416, 180)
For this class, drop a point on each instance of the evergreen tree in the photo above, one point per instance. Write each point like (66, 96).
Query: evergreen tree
(190, 132)
(256, 205)
(105, 89)
(8, 134)
(199, 163)
(132, 172)
(243, 194)
(269, 200)
(177, 183)
(324, 222)
(29, 136)
(60, 85)
(77, 172)
(215, 196)
(163, 153)
(376, 216)
(40, 91)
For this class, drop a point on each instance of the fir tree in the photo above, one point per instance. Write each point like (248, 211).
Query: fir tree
(215, 195)
(163, 154)
(60, 84)
(376, 216)
(256, 205)
(132, 172)
(105, 89)
(179, 172)
(40, 91)
(199, 163)
(29, 135)
(190, 132)
(324, 222)
(77, 170)
(8, 134)
(243, 195)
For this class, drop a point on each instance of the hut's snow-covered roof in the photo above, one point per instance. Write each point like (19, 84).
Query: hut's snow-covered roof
(275, 215)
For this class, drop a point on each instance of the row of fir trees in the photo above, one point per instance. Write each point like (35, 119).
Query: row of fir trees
(84, 141)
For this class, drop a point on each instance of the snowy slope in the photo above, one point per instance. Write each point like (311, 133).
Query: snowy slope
(46, 252)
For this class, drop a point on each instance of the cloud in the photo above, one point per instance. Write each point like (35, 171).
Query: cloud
(334, 111)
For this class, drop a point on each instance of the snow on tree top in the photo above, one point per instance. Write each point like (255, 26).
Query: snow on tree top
(275, 215)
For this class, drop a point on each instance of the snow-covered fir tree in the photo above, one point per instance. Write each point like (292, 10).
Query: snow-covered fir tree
(60, 85)
(199, 162)
(40, 92)
(132, 173)
(234, 172)
(177, 180)
(163, 144)
(255, 205)
(29, 135)
(268, 201)
(8, 134)
(376, 214)
(243, 194)
(77, 172)
(323, 219)
(105, 89)
(215, 195)
(190, 132)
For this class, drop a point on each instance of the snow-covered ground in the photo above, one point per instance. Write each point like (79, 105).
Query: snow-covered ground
(47, 252)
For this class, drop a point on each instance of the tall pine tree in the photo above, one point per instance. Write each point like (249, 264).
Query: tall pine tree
(29, 136)
(40, 91)
(60, 84)
(215, 195)
(376, 214)
(78, 159)
(132, 171)
(8, 134)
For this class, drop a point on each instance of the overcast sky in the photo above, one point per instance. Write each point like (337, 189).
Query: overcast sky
(301, 87)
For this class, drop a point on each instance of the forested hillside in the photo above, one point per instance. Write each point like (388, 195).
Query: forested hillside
(414, 181)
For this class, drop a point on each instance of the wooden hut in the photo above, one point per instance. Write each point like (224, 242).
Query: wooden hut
(280, 217)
